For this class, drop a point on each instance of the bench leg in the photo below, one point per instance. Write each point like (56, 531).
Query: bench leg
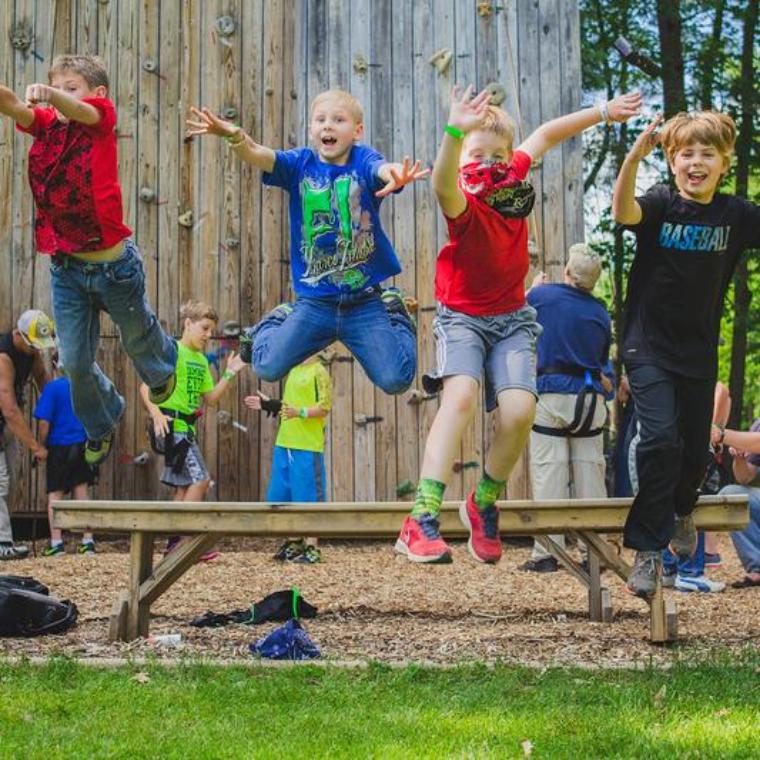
(117, 625)
(664, 618)
(140, 567)
(599, 603)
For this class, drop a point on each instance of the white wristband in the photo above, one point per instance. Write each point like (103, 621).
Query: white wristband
(604, 111)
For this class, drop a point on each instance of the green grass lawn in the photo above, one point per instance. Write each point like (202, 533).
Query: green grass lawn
(195, 711)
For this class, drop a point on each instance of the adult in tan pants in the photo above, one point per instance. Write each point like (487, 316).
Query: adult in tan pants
(566, 445)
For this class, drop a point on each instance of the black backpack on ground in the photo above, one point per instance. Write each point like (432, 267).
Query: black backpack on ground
(27, 612)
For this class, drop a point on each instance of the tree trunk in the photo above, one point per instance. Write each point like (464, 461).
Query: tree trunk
(711, 57)
(671, 56)
(742, 293)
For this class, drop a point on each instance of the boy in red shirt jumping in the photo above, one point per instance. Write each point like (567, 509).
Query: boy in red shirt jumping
(94, 264)
(483, 322)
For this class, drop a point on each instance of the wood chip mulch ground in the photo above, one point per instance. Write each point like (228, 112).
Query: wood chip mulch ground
(374, 605)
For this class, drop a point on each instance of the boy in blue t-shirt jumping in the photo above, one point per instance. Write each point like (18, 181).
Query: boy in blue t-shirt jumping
(65, 438)
(339, 252)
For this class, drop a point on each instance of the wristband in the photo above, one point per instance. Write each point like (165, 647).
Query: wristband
(454, 131)
(236, 138)
(604, 110)
(304, 412)
(228, 375)
(722, 433)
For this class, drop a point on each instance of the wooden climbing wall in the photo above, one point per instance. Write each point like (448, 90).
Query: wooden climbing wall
(208, 229)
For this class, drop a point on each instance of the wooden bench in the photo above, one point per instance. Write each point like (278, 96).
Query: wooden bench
(207, 522)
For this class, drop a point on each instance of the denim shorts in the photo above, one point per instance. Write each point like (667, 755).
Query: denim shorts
(503, 346)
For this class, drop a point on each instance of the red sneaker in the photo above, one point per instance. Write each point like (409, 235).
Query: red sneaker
(420, 540)
(485, 542)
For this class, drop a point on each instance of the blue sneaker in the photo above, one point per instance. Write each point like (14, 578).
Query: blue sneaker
(698, 583)
(713, 560)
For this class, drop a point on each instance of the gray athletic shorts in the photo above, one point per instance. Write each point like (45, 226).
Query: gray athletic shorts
(503, 345)
(193, 471)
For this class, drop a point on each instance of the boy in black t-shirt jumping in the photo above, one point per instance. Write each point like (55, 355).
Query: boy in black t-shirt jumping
(688, 242)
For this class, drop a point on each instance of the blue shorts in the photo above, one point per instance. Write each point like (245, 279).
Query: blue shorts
(297, 475)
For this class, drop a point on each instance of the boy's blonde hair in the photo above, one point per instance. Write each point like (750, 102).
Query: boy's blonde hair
(90, 67)
(583, 266)
(195, 311)
(498, 121)
(346, 99)
(706, 127)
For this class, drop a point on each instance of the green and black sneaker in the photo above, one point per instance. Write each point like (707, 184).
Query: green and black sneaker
(396, 303)
(86, 547)
(290, 550)
(310, 556)
(54, 550)
(161, 393)
(96, 452)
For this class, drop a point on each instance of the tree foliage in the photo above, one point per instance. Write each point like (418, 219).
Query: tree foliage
(715, 58)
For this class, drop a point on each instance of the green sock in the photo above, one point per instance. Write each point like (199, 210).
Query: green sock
(429, 498)
(488, 491)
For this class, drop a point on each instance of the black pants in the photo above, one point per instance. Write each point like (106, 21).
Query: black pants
(675, 414)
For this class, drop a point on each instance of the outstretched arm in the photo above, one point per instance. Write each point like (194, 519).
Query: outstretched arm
(234, 365)
(11, 105)
(396, 176)
(465, 114)
(70, 107)
(207, 123)
(558, 130)
(625, 207)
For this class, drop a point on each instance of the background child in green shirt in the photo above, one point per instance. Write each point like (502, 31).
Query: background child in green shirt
(298, 461)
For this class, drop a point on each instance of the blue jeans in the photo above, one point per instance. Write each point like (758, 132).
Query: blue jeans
(747, 541)
(384, 343)
(80, 291)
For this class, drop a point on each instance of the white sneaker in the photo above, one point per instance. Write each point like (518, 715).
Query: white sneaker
(698, 583)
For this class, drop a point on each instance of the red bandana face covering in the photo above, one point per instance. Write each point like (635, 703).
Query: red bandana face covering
(497, 185)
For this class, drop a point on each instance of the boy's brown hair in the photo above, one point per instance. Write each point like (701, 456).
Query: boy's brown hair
(90, 67)
(346, 99)
(498, 121)
(706, 127)
(195, 311)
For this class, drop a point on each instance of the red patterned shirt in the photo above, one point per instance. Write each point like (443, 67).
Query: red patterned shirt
(482, 269)
(75, 182)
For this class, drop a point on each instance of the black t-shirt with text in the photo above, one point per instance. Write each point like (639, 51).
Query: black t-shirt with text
(686, 253)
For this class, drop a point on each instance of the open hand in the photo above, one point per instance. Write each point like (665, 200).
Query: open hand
(234, 363)
(208, 123)
(625, 106)
(161, 424)
(465, 111)
(647, 140)
(404, 177)
(38, 93)
(254, 402)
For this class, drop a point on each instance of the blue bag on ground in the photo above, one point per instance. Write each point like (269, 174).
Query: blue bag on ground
(288, 642)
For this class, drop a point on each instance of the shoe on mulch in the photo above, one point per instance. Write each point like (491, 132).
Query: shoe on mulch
(209, 556)
(310, 556)
(420, 541)
(9, 550)
(713, 560)
(96, 452)
(86, 548)
(746, 582)
(290, 550)
(698, 583)
(543, 565)
(54, 550)
(668, 579)
(161, 393)
(171, 544)
(484, 543)
(647, 568)
(684, 541)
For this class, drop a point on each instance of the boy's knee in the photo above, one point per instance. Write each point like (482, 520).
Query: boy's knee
(269, 367)
(392, 383)
(463, 400)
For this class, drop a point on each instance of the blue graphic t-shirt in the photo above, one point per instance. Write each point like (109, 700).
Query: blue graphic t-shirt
(54, 406)
(336, 242)
(686, 253)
